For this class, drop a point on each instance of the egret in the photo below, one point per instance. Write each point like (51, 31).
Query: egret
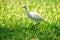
(33, 15)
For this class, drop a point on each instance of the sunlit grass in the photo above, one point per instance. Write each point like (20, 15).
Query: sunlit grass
(13, 17)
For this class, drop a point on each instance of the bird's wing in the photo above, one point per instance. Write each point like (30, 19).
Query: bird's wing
(36, 16)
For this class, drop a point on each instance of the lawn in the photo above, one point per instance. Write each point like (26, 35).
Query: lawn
(14, 24)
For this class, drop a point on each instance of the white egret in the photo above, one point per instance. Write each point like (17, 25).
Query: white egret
(33, 15)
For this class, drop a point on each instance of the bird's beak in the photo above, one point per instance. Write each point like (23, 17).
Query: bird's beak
(22, 7)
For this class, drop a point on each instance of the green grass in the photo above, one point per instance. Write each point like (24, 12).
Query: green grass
(14, 24)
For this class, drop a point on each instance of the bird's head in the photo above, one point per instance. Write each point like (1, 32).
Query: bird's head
(24, 6)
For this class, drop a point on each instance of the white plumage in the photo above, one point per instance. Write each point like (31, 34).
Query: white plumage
(33, 15)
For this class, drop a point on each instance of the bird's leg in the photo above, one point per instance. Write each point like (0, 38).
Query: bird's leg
(35, 26)
(37, 23)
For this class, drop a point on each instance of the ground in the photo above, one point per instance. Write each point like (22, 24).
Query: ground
(14, 24)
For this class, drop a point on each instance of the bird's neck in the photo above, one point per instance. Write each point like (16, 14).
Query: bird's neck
(26, 9)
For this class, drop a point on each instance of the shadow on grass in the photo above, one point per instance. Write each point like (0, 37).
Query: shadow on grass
(23, 33)
(16, 34)
(5, 33)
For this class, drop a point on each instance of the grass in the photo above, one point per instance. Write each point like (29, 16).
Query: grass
(14, 24)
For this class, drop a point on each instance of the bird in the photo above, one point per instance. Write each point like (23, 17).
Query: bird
(33, 15)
